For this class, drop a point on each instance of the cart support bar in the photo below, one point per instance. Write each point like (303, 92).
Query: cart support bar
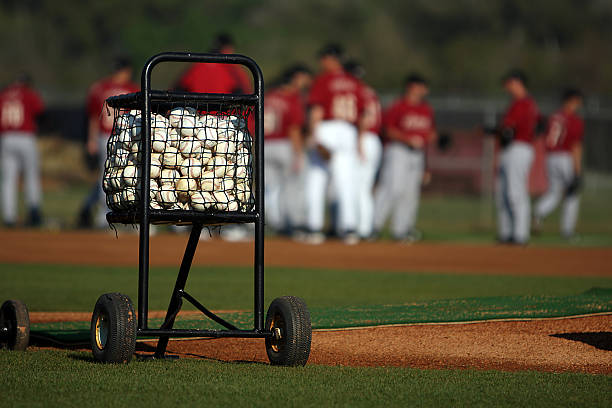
(204, 333)
(206, 312)
(179, 286)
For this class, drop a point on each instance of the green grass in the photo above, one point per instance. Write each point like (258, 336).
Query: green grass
(55, 378)
(76, 288)
(441, 218)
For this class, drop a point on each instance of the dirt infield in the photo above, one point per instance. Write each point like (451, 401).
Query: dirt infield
(576, 344)
(94, 248)
(556, 345)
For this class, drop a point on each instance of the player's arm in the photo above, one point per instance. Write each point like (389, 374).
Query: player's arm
(92, 135)
(577, 158)
(297, 144)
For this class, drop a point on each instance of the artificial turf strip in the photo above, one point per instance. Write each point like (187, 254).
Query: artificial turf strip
(66, 378)
(596, 300)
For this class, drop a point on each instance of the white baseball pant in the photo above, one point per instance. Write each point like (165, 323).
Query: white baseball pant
(340, 138)
(100, 218)
(284, 186)
(399, 190)
(512, 192)
(560, 170)
(19, 152)
(368, 166)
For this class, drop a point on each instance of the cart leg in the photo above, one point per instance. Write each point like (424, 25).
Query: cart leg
(176, 301)
(259, 276)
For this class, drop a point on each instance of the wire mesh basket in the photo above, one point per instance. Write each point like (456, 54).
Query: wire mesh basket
(201, 158)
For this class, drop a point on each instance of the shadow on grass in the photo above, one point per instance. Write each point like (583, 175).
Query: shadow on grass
(599, 340)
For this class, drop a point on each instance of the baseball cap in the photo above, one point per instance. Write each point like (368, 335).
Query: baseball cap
(517, 74)
(355, 68)
(121, 62)
(415, 78)
(570, 93)
(331, 50)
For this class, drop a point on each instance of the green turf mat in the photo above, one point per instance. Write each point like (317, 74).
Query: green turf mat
(595, 300)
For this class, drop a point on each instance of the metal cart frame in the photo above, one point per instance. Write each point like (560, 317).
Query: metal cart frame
(144, 215)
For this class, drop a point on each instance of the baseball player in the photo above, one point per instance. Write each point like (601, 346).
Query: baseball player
(284, 119)
(101, 119)
(564, 163)
(409, 128)
(217, 78)
(336, 105)
(371, 148)
(20, 106)
(516, 133)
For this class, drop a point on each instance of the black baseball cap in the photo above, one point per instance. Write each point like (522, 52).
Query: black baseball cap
(121, 62)
(415, 78)
(354, 68)
(517, 74)
(222, 40)
(294, 69)
(331, 50)
(570, 93)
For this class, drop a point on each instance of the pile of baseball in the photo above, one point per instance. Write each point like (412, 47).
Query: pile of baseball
(198, 162)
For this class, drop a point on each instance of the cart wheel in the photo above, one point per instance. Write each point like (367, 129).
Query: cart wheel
(113, 329)
(289, 320)
(14, 325)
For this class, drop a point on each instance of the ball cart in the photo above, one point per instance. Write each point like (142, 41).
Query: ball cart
(191, 159)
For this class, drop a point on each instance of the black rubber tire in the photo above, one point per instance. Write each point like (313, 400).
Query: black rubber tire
(113, 329)
(290, 316)
(15, 318)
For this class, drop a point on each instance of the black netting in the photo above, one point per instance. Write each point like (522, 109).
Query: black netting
(201, 159)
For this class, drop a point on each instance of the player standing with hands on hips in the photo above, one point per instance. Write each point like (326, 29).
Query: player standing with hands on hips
(563, 163)
(20, 106)
(516, 133)
(409, 128)
(336, 106)
(284, 120)
(101, 119)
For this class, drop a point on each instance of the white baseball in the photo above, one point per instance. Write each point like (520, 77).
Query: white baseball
(232, 206)
(130, 175)
(221, 200)
(218, 165)
(190, 147)
(169, 176)
(114, 179)
(191, 167)
(225, 147)
(184, 186)
(208, 136)
(171, 157)
(201, 200)
(167, 195)
(173, 137)
(156, 168)
(226, 184)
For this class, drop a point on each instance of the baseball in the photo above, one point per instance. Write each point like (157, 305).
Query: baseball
(158, 140)
(130, 175)
(184, 186)
(124, 121)
(177, 117)
(136, 129)
(232, 206)
(201, 200)
(226, 184)
(225, 147)
(153, 190)
(169, 176)
(190, 147)
(208, 136)
(121, 158)
(218, 164)
(129, 196)
(188, 126)
(191, 168)
(208, 120)
(205, 156)
(156, 168)
(241, 171)
(207, 181)
(124, 137)
(154, 204)
(171, 157)
(221, 200)
(167, 195)
(114, 179)
(173, 138)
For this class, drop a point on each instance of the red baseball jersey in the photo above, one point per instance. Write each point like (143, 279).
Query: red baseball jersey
(522, 116)
(372, 110)
(340, 96)
(216, 78)
(282, 110)
(96, 97)
(565, 130)
(19, 107)
(413, 121)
